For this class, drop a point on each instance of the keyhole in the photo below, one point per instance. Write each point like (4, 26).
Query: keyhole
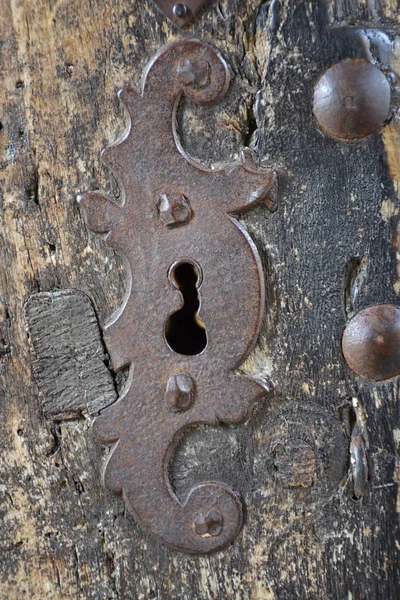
(185, 331)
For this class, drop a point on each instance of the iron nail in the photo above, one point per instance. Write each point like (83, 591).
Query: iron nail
(352, 99)
(194, 72)
(371, 341)
(179, 393)
(175, 211)
(209, 525)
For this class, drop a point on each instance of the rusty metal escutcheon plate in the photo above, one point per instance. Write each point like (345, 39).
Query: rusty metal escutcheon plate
(177, 214)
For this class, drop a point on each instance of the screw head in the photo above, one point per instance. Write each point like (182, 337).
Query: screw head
(208, 525)
(180, 10)
(174, 211)
(179, 393)
(352, 99)
(371, 342)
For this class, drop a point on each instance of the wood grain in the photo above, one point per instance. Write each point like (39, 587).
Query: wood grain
(62, 536)
(70, 364)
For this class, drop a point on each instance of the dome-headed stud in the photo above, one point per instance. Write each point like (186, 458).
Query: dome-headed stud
(180, 10)
(352, 99)
(371, 342)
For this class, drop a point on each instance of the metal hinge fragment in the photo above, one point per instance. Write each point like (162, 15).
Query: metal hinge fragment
(177, 229)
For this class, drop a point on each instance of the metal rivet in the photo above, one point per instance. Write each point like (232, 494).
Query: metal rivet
(371, 342)
(195, 73)
(180, 11)
(209, 525)
(179, 393)
(174, 211)
(352, 99)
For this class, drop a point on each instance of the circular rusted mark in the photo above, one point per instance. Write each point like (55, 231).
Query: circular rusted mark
(371, 342)
(352, 99)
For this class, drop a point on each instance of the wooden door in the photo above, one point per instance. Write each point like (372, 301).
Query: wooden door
(317, 465)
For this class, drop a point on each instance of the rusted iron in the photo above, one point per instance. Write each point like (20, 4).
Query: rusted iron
(352, 99)
(169, 392)
(174, 211)
(371, 342)
(208, 525)
(181, 13)
(179, 394)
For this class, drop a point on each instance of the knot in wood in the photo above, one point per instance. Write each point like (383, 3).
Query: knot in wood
(295, 464)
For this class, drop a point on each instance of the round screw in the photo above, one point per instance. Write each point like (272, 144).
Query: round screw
(371, 342)
(180, 11)
(352, 99)
(209, 525)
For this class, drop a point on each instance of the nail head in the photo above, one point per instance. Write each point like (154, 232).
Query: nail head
(180, 10)
(371, 342)
(352, 99)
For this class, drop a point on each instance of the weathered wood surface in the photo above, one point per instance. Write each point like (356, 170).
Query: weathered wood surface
(328, 250)
(70, 364)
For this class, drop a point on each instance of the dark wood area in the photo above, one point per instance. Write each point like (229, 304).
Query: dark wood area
(329, 250)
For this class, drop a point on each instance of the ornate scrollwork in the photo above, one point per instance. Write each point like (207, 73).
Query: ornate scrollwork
(173, 213)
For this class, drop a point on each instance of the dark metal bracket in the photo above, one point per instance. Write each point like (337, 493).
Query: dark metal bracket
(177, 215)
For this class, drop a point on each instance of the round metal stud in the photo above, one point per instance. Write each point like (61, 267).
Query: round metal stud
(180, 11)
(371, 342)
(352, 99)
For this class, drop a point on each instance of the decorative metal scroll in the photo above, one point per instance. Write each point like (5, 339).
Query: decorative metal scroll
(176, 227)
